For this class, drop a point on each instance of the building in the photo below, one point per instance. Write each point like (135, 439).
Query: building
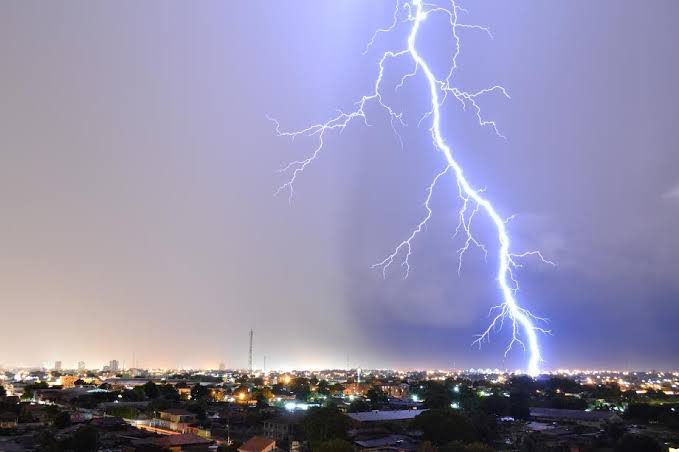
(177, 443)
(396, 390)
(8, 420)
(258, 444)
(390, 442)
(590, 418)
(68, 381)
(356, 389)
(81, 366)
(177, 415)
(57, 365)
(222, 367)
(385, 416)
(283, 428)
(113, 365)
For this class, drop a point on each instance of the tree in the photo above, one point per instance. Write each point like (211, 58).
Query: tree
(441, 426)
(324, 387)
(358, 406)
(133, 395)
(485, 425)
(263, 395)
(85, 439)
(62, 420)
(436, 395)
(30, 389)
(337, 389)
(199, 392)
(523, 383)
(495, 404)
(279, 389)
(125, 412)
(457, 446)
(377, 397)
(50, 412)
(3, 392)
(168, 392)
(615, 430)
(519, 405)
(568, 403)
(151, 390)
(325, 423)
(198, 409)
(634, 443)
(521, 388)
(140, 392)
(426, 446)
(334, 445)
(561, 384)
(48, 442)
(242, 379)
(301, 388)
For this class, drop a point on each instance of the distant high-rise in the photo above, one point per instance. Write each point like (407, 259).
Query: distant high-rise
(57, 365)
(81, 366)
(113, 365)
(222, 367)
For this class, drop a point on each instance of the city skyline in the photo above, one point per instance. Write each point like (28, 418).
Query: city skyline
(140, 167)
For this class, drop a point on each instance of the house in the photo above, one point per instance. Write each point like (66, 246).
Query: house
(11, 399)
(396, 390)
(177, 443)
(283, 428)
(258, 444)
(546, 437)
(177, 415)
(400, 443)
(8, 420)
(175, 420)
(385, 416)
(590, 418)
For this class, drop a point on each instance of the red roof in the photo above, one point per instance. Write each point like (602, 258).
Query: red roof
(186, 439)
(257, 444)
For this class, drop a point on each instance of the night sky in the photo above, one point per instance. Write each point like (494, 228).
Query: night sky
(138, 172)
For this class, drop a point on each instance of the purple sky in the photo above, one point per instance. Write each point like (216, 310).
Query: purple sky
(138, 172)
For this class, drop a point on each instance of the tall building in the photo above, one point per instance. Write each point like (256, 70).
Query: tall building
(113, 365)
(57, 365)
(81, 366)
(222, 367)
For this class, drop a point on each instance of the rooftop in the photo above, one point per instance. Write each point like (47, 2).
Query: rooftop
(186, 439)
(257, 444)
(381, 416)
(556, 413)
(385, 441)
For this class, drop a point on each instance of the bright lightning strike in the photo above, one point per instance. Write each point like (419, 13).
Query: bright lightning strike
(524, 325)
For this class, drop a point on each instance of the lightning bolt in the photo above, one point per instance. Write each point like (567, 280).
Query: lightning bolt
(524, 325)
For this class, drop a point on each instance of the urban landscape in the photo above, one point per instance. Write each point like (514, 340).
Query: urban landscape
(475, 410)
